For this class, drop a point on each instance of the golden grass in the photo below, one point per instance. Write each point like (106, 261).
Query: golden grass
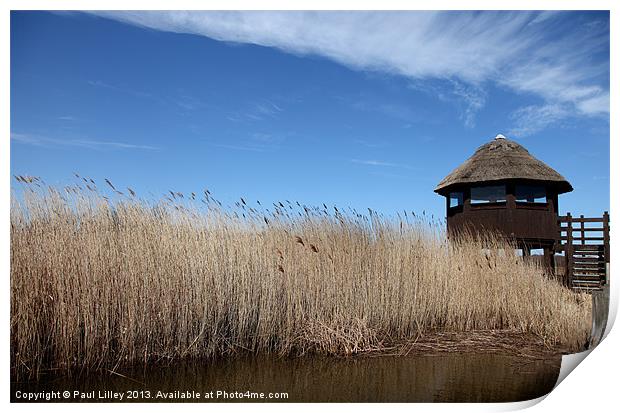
(99, 284)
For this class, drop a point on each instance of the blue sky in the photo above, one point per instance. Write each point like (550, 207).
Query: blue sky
(360, 109)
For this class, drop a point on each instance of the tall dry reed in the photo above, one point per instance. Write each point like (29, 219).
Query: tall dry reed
(96, 283)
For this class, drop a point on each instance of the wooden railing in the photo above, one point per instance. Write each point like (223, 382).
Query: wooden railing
(586, 250)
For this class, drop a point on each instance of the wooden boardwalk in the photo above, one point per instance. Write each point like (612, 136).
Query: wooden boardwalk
(585, 243)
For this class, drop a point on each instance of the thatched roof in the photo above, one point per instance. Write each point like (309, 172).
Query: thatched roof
(502, 159)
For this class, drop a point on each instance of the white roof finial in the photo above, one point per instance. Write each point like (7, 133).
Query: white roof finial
(500, 136)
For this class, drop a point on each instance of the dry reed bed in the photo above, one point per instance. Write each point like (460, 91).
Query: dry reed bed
(99, 284)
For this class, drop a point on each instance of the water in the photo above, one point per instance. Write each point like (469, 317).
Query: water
(460, 377)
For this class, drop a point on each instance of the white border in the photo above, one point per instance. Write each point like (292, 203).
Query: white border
(590, 387)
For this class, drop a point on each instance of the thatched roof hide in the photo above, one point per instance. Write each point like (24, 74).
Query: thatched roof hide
(502, 159)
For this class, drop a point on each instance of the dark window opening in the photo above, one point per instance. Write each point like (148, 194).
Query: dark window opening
(488, 194)
(456, 199)
(531, 194)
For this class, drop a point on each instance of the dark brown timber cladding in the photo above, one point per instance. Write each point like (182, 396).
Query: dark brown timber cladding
(531, 223)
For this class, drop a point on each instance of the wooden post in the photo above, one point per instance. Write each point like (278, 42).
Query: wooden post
(466, 199)
(569, 250)
(547, 262)
(511, 200)
(583, 230)
(447, 214)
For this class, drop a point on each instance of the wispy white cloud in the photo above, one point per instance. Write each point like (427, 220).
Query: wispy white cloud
(187, 102)
(127, 90)
(535, 53)
(532, 119)
(256, 142)
(267, 138)
(544, 15)
(595, 104)
(372, 145)
(257, 111)
(246, 148)
(267, 108)
(469, 98)
(180, 99)
(373, 162)
(35, 140)
(367, 103)
(473, 99)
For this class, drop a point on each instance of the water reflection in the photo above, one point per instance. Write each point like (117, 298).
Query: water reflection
(464, 377)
